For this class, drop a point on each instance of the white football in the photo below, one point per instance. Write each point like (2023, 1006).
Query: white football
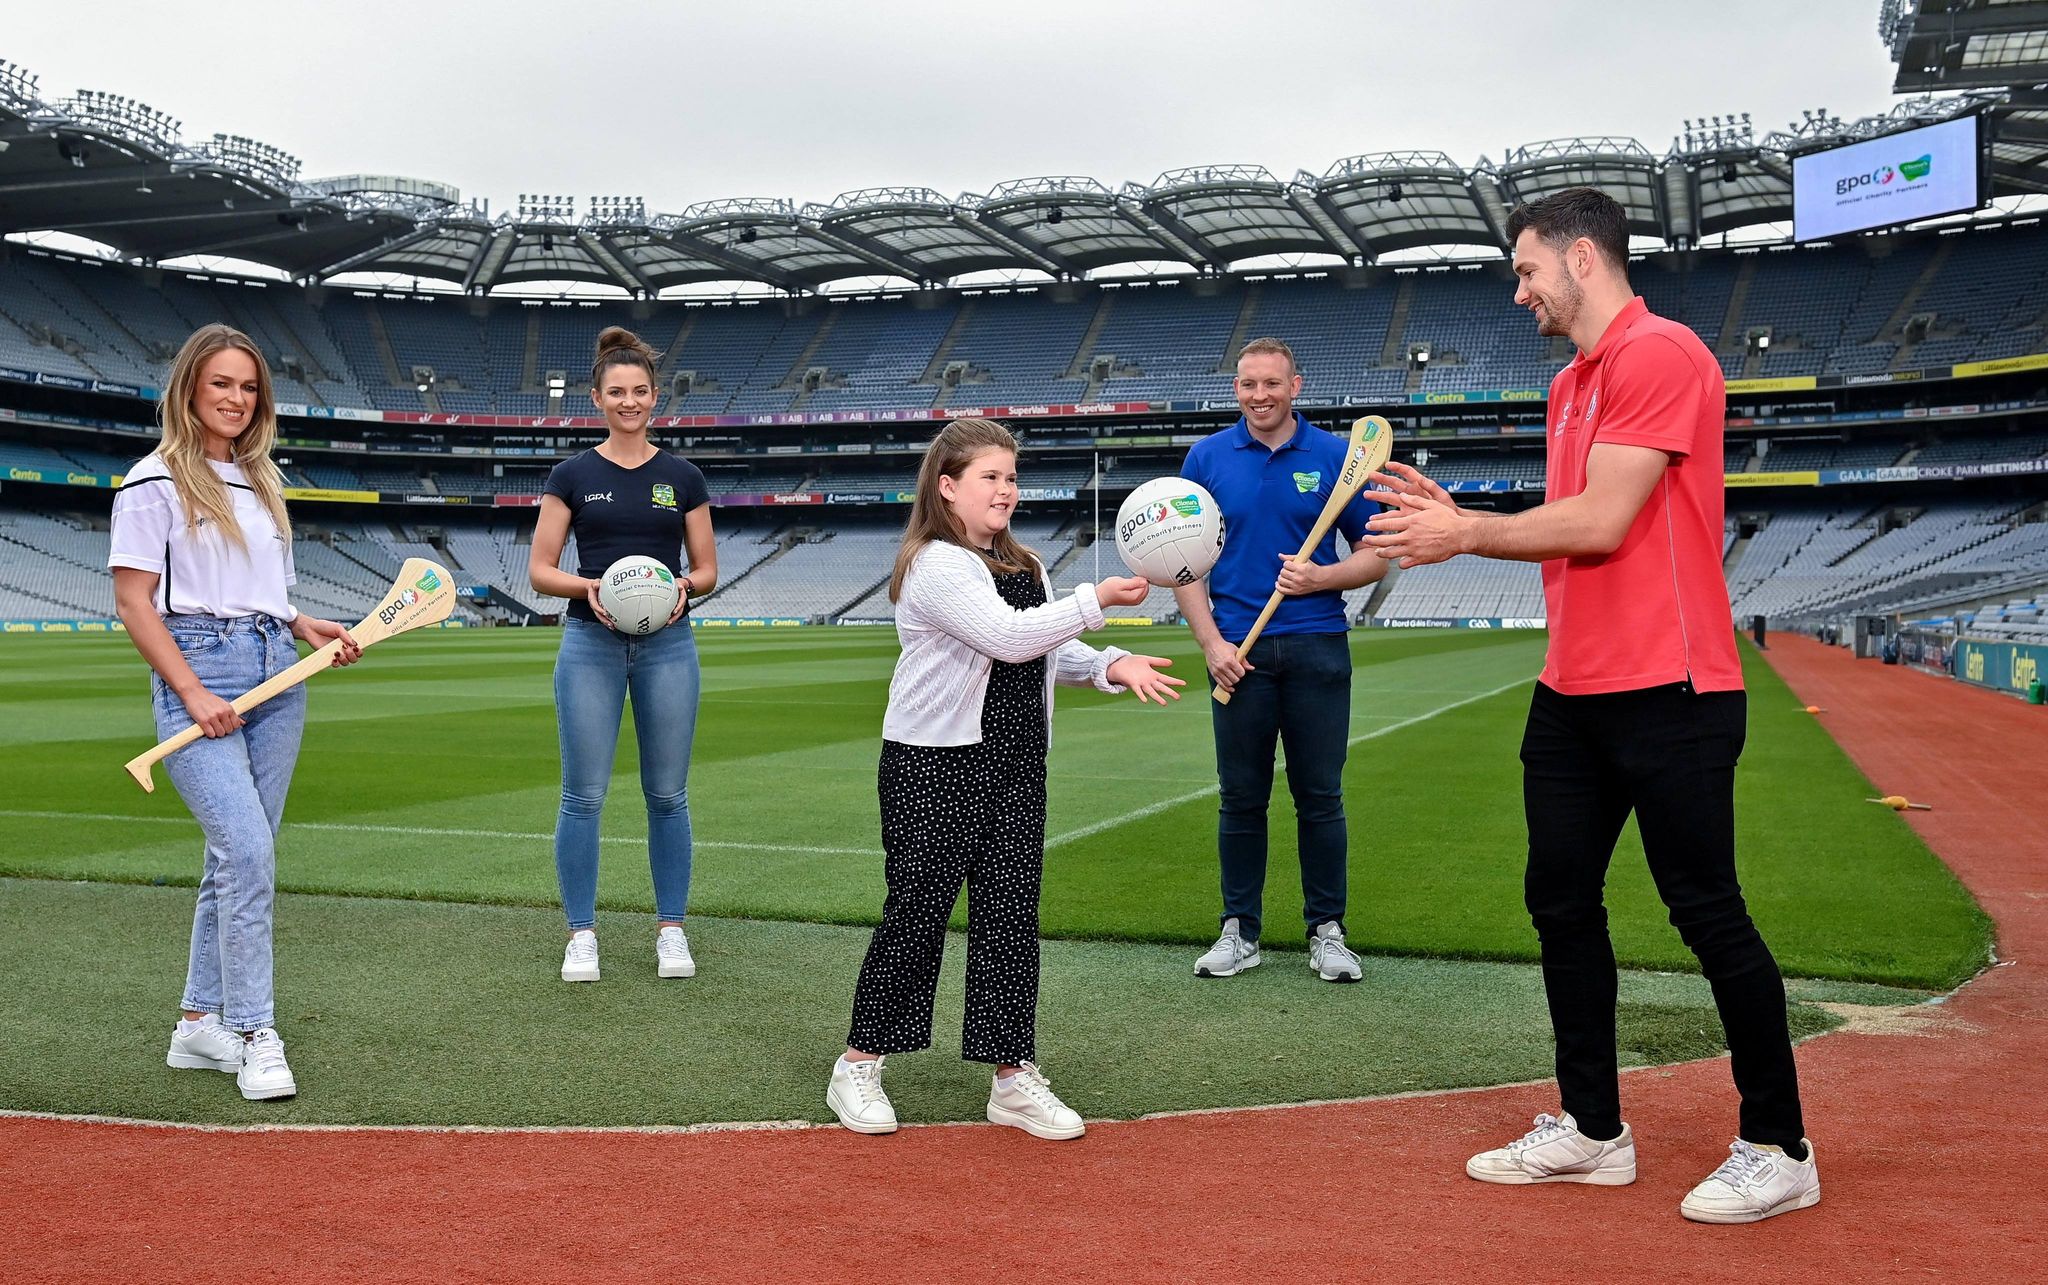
(1169, 531)
(638, 593)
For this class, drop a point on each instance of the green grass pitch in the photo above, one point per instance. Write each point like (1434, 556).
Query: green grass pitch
(419, 826)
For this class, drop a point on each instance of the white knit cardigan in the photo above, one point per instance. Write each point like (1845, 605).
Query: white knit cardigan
(952, 624)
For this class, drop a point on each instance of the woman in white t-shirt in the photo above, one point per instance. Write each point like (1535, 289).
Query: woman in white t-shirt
(202, 559)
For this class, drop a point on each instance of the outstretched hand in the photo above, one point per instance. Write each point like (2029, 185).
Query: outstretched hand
(1417, 529)
(1397, 479)
(1141, 674)
(1121, 591)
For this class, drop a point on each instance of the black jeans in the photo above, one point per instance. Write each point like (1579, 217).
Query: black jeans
(1299, 692)
(1667, 754)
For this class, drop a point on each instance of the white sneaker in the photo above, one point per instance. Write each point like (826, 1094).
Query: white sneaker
(1026, 1101)
(265, 1074)
(205, 1045)
(1555, 1151)
(1752, 1184)
(1330, 957)
(1230, 955)
(855, 1096)
(671, 953)
(579, 961)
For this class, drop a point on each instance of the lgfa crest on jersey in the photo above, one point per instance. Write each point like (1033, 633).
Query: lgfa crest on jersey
(664, 495)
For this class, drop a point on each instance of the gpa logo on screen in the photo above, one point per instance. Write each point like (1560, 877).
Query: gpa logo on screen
(1911, 171)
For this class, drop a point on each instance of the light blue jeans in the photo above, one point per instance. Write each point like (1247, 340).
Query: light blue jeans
(594, 673)
(235, 786)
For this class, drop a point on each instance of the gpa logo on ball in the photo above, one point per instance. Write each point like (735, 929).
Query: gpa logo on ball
(1185, 506)
(630, 574)
(1306, 483)
(396, 607)
(664, 495)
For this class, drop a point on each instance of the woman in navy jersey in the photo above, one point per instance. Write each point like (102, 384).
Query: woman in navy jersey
(624, 496)
(202, 561)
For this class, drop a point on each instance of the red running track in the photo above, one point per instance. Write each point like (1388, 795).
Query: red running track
(1930, 1143)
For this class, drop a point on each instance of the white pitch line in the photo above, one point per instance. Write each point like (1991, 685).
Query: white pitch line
(1153, 809)
(1083, 832)
(438, 832)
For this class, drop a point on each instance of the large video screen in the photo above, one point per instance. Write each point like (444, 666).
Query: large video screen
(1917, 174)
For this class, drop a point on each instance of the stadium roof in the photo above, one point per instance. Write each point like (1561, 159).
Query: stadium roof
(120, 172)
(1966, 44)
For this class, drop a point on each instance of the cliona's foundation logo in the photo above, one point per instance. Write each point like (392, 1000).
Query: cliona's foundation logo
(1884, 175)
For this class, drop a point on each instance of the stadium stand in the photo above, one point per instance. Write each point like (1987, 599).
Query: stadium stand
(1856, 307)
(1465, 588)
(812, 576)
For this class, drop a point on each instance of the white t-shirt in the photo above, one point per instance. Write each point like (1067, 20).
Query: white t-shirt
(200, 572)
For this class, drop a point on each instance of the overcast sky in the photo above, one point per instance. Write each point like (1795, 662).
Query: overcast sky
(686, 102)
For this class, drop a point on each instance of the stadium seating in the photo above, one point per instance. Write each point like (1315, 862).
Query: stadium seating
(1464, 588)
(1853, 308)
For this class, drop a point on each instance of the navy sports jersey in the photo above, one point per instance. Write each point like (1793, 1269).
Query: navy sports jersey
(615, 512)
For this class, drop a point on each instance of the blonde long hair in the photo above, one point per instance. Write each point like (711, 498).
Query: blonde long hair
(201, 493)
(931, 518)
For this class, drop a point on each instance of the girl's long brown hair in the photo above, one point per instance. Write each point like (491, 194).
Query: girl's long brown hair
(931, 518)
(201, 493)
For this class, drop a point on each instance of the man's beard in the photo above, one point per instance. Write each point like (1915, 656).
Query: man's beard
(1560, 311)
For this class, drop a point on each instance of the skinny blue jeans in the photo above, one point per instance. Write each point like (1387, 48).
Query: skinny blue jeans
(235, 786)
(595, 671)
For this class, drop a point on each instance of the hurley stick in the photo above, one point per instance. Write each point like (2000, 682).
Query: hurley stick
(1371, 445)
(423, 594)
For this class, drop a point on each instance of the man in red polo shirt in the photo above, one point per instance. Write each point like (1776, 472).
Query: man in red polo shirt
(1640, 706)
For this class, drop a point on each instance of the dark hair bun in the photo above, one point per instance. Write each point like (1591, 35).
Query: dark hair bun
(618, 346)
(614, 338)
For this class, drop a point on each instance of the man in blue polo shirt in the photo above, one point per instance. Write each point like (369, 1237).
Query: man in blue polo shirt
(1271, 473)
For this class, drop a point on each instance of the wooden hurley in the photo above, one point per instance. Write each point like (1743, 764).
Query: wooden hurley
(423, 594)
(1370, 447)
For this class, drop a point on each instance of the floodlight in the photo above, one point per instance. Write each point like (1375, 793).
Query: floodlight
(1055, 215)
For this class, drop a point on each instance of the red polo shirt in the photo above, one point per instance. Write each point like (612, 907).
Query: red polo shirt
(1654, 611)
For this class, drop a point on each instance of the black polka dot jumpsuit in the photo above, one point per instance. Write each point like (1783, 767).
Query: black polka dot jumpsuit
(972, 812)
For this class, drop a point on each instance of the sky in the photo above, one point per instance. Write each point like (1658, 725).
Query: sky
(686, 102)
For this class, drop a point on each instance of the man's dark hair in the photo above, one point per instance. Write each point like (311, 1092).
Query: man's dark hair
(1563, 217)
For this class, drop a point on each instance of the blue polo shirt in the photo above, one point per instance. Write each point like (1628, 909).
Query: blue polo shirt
(1270, 499)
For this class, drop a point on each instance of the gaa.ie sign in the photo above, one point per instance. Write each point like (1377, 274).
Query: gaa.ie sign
(1912, 171)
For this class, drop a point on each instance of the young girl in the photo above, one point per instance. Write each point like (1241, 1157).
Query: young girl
(624, 496)
(202, 557)
(962, 778)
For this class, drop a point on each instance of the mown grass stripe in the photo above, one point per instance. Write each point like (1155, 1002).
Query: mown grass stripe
(439, 832)
(1154, 809)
